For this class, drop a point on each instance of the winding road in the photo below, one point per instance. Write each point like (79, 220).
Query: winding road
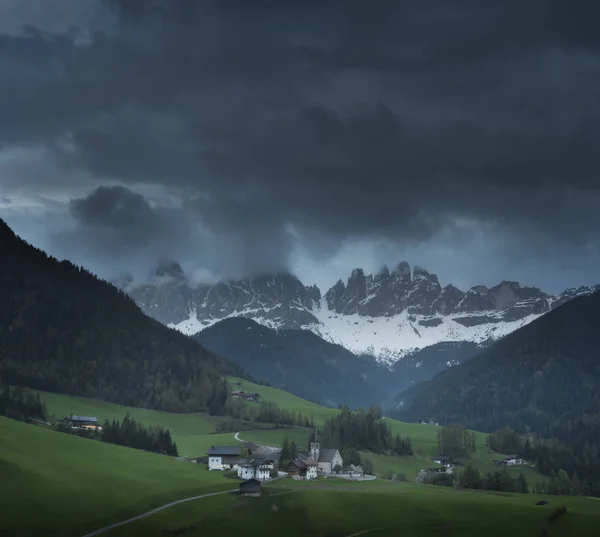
(166, 506)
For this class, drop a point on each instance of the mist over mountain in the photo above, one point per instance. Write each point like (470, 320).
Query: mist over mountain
(387, 315)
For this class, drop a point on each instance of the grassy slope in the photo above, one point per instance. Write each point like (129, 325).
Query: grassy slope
(285, 400)
(72, 484)
(275, 437)
(191, 432)
(403, 509)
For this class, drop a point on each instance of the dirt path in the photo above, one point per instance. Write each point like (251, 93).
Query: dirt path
(365, 531)
(143, 515)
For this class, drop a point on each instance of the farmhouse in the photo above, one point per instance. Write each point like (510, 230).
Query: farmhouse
(222, 457)
(302, 469)
(239, 394)
(444, 461)
(251, 487)
(429, 422)
(250, 468)
(428, 472)
(510, 460)
(82, 422)
(353, 471)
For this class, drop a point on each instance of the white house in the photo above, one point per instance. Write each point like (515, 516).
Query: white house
(513, 459)
(262, 473)
(311, 469)
(356, 470)
(248, 469)
(222, 457)
(444, 461)
(327, 459)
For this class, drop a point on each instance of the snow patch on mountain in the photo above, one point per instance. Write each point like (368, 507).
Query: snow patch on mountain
(391, 338)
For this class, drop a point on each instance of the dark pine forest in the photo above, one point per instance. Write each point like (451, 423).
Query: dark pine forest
(64, 330)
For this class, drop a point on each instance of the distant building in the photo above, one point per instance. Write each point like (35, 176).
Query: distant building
(222, 457)
(239, 394)
(429, 422)
(82, 422)
(355, 471)
(250, 487)
(327, 459)
(444, 461)
(510, 460)
(428, 472)
(250, 468)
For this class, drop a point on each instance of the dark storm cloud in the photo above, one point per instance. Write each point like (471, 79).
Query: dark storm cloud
(344, 119)
(119, 230)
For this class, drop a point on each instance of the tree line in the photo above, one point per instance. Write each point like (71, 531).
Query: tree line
(573, 467)
(455, 441)
(132, 433)
(21, 403)
(500, 480)
(265, 412)
(362, 430)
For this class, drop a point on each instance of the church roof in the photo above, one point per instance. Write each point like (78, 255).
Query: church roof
(327, 455)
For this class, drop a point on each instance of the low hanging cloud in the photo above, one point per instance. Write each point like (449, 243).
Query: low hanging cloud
(267, 125)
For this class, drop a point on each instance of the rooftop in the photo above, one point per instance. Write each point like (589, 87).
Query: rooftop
(223, 450)
(83, 418)
(326, 455)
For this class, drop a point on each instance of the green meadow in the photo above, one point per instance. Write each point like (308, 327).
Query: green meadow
(285, 400)
(322, 509)
(194, 434)
(275, 437)
(57, 484)
(191, 432)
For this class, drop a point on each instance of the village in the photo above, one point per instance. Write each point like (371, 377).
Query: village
(264, 463)
(255, 464)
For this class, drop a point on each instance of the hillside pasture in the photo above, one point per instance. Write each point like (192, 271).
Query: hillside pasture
(57, 484)
(322, 509)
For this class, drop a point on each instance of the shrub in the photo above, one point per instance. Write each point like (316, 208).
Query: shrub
(556, 513)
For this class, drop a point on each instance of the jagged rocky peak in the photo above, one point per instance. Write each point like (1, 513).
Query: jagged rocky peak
(169, 268)
(479, 290)
(424, 290)
(383, 274)
(314, 293)
(402, 271)
(334, 295)
(354, 293)
(419, 273)
(448, 300)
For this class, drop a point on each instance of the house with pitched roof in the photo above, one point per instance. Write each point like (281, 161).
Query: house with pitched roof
(327, 459)
(254, 469)
(82, 422)
(222, 457)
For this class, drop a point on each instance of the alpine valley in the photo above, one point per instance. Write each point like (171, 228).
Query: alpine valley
(401, 320)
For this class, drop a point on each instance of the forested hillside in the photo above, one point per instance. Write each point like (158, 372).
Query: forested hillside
(64, 330)
(543, 379)
(300, 362)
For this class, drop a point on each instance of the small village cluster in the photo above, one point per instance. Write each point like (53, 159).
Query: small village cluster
(448, 465)
(262, 466)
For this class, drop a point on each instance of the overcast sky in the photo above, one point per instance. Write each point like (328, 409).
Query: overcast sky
(240, 137)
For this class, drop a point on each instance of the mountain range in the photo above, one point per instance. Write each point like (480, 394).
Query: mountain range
(389, 315)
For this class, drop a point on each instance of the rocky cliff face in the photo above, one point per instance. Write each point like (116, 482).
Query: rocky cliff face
(388, 314)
